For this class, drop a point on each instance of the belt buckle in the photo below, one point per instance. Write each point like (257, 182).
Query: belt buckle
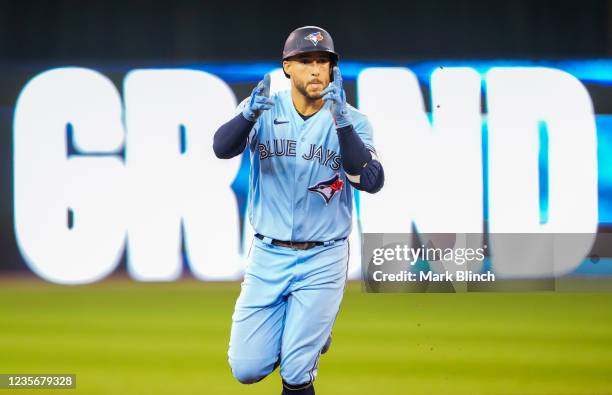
(284, 243)
(295, 245)
(298, 245)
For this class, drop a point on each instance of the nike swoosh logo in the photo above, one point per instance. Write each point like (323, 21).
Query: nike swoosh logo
(277, 122)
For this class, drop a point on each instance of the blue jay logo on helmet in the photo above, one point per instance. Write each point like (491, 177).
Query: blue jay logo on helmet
(328, 188)
(314, 38)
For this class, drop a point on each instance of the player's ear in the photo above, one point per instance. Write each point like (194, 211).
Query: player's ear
(286, 68)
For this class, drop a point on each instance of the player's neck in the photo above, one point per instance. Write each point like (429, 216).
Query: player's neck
(304, 105)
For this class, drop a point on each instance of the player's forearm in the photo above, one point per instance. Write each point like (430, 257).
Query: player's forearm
(363, 171)
(230, 139)
(354, 152)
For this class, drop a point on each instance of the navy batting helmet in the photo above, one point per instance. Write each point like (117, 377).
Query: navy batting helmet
(309, 39)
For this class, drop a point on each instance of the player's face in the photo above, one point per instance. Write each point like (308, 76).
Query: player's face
(310, 73)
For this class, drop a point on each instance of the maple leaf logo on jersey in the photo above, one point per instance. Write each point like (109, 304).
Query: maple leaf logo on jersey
(314, 38)
(328, 188)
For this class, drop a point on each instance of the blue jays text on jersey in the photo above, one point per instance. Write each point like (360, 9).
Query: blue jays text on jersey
(298, 188)
(280, 147)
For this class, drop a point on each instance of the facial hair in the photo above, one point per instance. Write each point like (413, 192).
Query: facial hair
(301, 87)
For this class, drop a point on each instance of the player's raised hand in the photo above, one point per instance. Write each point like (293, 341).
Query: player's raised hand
(259, 100)
(335, 95)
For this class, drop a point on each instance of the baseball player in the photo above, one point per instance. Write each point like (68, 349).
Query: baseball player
(308, 150)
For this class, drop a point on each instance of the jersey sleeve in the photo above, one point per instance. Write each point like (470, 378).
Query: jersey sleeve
(364, 130)
(253, 132)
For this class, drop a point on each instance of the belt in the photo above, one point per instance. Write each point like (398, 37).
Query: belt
(296, 245)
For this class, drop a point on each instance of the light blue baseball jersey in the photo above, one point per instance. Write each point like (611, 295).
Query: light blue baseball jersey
(298, 188)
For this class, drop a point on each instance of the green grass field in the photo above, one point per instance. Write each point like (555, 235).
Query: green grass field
(123, 337)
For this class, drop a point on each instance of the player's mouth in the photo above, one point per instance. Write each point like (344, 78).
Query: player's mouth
(316, 84)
